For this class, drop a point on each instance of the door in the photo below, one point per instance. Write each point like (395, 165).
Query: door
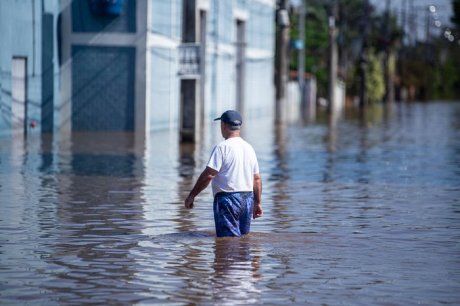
(19, 94)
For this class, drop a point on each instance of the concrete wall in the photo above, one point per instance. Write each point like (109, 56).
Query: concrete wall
(164, 37)
(103, 77)
(339, 96)
(296, 109)
(102, 68)
(23, 25)
(62, 55)
(258, 88)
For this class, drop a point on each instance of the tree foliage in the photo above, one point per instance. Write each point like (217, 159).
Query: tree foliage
(353, 19)
(375, 84)
(316, 42)
(428, 69)
(432, 68)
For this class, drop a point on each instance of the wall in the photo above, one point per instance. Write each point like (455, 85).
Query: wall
(260, 58)
(56, 62)
(259, 53)
(164, 37)
(102, 68)
(103, 88)
(20, 27)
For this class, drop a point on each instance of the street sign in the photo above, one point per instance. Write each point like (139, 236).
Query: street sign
(189, 61)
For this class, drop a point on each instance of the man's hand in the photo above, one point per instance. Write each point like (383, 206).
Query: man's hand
(203, 181)
(188, 203)
(257, 211)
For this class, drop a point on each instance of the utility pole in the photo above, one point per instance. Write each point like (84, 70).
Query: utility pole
(363, 59)
(428, 24)
(301, 54)
(403, 22)
(413, 29)
(333, 55)
(281, 60)
(400, 96)
(389, 89)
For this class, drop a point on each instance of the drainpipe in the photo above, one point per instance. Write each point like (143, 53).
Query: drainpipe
(33, 37)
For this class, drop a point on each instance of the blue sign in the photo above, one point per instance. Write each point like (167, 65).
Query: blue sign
(297, 44)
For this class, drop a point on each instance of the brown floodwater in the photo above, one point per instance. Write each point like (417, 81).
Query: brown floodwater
(358, 211)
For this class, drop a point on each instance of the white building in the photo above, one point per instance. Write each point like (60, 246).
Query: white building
(133, 65)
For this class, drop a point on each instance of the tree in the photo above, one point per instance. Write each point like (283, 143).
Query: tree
(456, 10)
(375, 83)
(354, 17)
(316, 42)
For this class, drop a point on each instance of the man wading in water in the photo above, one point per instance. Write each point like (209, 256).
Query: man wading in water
(236, 182)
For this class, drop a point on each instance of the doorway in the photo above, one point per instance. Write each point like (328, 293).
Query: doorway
(19, 95)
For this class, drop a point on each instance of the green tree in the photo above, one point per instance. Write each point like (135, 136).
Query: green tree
(433, 68)
(316, 42)
(375, 84)
(354, 17)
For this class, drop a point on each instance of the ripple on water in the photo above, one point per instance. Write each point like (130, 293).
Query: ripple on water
(353, 214)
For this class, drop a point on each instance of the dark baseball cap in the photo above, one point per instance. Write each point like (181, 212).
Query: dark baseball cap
(231, 117)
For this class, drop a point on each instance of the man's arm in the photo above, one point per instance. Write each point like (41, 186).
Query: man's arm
(203, 181)
(257, 211)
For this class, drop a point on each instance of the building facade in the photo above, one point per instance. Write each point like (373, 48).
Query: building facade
(98, 65)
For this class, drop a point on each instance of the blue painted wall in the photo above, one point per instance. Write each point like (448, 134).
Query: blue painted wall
(20, 37)
(102, 88)
(28, 29)
(166, 17)
(221, 74)
(220, 86)
(163, 90)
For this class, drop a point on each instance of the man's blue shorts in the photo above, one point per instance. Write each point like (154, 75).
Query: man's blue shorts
(233, 213)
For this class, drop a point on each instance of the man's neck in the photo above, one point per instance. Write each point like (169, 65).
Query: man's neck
(232, 135)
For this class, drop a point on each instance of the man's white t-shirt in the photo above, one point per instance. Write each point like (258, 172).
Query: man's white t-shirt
(236, 163)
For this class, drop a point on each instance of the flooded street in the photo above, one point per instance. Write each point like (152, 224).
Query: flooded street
(356, 212)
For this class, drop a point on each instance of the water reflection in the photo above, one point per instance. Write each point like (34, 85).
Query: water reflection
(356, 210)
(99, 215)
(331, 141)
(186, 172)
(279, 176)
(236, 271)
